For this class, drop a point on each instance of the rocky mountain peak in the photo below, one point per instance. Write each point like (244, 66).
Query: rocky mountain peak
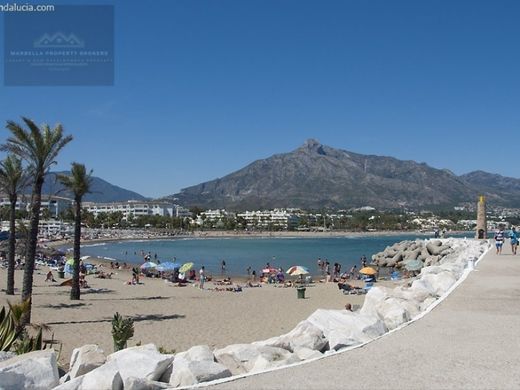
(314, 146)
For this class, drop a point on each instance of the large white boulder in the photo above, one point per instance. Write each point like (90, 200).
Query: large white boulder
(343, 328)
(374, 297)
(439, 283)
(242, 358)
(197, 353)
(141, 362)
(33, 370)
(306, 353)
(134, 383)
(187, 373)
(85, 359)
(105, 377)
(304, 335)
(394, 312)
(196, 365)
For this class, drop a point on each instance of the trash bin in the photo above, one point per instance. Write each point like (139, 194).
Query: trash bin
(61, 274)
(301, 292)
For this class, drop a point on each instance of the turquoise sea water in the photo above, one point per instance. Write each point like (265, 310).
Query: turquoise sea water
(239, 253)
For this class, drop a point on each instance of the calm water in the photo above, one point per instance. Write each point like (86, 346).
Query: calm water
(239, 253)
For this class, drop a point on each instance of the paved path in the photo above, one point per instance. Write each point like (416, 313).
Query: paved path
(470, 341)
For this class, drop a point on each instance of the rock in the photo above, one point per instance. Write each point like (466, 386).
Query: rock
(412, 255)
(305, 335)
(436, 249)
(374, 297)
(343, 328)
(141, 362)
(242, 358)
(33, 370)
(197, 353)
(396, 312)
(133, 383)
(188, 373)
(306, 353)
(439, 283)
(101, 378)
(85, 359)
(414, 294)
(194, 366)
(6, 355)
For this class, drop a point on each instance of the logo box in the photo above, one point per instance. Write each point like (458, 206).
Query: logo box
(70, 46)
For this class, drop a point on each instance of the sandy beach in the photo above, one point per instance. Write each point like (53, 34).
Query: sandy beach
(174, 318)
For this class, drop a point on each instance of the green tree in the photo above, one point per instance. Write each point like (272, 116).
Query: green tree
(13, 179)
(79, 183)
(39, 147)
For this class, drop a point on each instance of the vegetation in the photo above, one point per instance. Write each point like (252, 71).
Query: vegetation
(38, 147)
(13, 335)
(79, 183)
(122, 331)
(12, 181)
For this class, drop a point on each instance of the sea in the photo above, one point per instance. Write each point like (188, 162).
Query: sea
(241, 253)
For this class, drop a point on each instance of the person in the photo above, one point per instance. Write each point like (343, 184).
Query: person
(253, 274)
(353, 272)
(202, 278)
(514, 240)
(248, 272)
(499, 240)
(50, 277)
(348, 307)
(363, 261)
(223, 267)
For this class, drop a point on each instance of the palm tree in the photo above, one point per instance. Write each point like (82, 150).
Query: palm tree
(39, 147)
(79, 183)
(12, 181)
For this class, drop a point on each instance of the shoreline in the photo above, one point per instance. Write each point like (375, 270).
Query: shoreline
(245, 235)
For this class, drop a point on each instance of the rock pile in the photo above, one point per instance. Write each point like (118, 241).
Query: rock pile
(429, 252)
(324, 332)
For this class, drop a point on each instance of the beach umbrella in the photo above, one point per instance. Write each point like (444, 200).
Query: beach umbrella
(270, 270)
(185, 267)
(367, 271)
(414, 265)
(69, 262)
(168, 266)
(148, 264)
(298, 270)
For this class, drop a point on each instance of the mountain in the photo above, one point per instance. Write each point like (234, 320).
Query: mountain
(316, 176)
(102, 191)
(499, 189)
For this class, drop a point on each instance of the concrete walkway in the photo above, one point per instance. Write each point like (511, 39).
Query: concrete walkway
(470, 341)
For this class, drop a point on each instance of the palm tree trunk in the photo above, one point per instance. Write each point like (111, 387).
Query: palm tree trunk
(30, 252)
(12, 247)
(75, 291)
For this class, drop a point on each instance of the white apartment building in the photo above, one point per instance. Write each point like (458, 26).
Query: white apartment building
(55, 204)
(134, 208)
(277, 217)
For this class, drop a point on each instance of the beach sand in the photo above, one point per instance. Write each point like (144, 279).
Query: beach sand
(175, 318)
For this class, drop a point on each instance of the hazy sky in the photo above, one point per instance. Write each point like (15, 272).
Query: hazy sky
(203, 88)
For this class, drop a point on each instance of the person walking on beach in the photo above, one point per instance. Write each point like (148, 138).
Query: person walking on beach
(499, 240)
(202, 278)
(223, 267)
(514, 240)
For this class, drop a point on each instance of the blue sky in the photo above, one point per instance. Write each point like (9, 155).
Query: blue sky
(203, 88)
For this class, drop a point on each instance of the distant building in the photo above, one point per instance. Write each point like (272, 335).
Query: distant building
(135, 208)
(279, 218)
(54, 204)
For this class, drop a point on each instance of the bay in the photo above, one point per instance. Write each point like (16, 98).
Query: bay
(240, 253)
